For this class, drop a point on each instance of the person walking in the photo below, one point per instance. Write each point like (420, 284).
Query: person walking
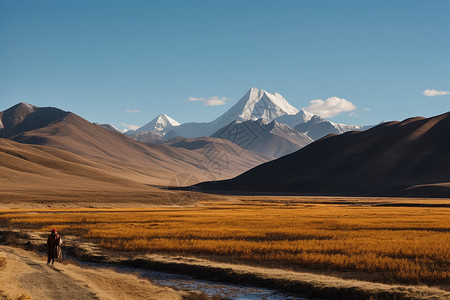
(53, 246)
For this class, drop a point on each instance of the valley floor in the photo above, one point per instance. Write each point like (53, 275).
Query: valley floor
(27, 275)
(327, 247)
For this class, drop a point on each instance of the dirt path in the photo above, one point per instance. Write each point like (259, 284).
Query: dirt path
(26, 273)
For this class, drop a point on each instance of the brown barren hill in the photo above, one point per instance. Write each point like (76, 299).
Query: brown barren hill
(32, 172)
(217, 152)
(113, 153)
(409, 158)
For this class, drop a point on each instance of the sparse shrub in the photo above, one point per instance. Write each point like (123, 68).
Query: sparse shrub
(10, 238)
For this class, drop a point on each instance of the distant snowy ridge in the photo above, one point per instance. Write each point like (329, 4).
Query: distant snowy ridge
(318, 127)
(256, 104)
(161, 124)
(302, 116)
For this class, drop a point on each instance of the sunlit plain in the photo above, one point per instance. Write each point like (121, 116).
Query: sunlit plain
(390, 244)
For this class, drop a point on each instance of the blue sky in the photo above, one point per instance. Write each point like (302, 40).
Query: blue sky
(100, 59)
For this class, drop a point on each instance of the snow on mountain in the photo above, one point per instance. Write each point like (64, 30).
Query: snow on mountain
(318, 127)
(257, 104)
(302, 116)
(150, 137)
(191, 130)
(288, 133)
(254, 105)
(161, 124)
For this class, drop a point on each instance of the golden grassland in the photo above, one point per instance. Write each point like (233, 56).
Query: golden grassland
(398, 244)
(2, 262)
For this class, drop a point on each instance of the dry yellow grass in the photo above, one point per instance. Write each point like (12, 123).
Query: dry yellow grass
(400, 244)
(2, 262)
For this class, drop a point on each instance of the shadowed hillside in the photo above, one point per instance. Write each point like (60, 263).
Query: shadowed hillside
(272, 138)
(409, 158)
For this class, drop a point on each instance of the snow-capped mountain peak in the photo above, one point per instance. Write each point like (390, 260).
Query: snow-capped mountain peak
(262, 104)
(160, 124)
(257, 104)
(165, 120)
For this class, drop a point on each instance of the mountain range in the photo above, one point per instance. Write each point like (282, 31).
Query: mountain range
(48, 153)
(113, 154)
(408, 158)
(293, 128)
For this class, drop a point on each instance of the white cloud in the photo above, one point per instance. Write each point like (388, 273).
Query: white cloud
(195, 99)
(367, 109)
(433, 92)
(330, 107)
(132, 111)
(211, 101)
(130, 126)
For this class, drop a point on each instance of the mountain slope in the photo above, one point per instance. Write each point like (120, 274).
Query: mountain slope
(143, 163)
(293, 120)
(32, 172)
(409, 158)
(318, 127)
(288, 133)
(149, 137)
(108, 127)
(272, 139)
(219, 154)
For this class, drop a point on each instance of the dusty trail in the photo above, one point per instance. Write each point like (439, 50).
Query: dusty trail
(26, 273)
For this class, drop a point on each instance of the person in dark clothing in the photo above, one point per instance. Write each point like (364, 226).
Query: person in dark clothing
(53, 243)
